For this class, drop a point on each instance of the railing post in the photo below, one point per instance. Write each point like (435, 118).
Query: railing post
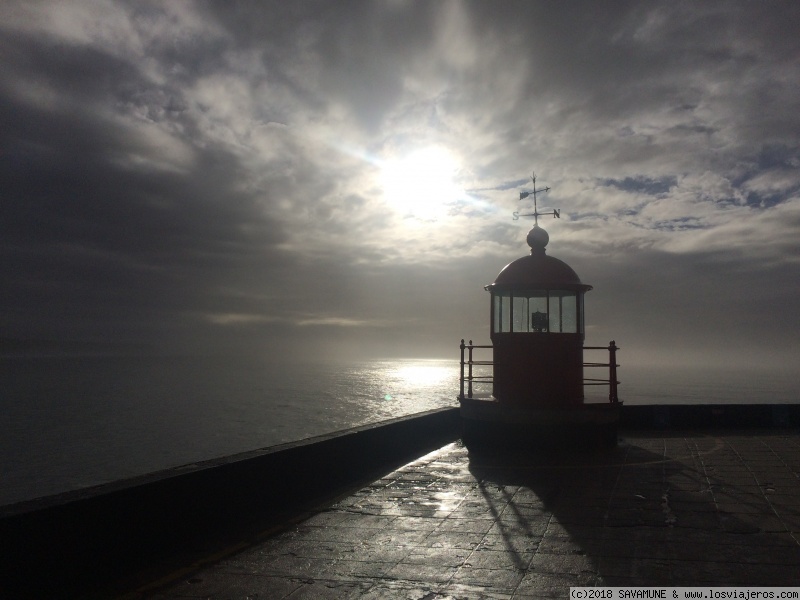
(612, 372)
(461, 378)
(470, 370)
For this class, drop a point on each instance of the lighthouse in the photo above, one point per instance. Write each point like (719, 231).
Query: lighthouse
(537, 329)
(537, 378)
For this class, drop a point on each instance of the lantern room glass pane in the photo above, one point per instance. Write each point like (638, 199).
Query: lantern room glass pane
(502, 314)
(569, 313)
(555, 312)
(519, 310)
(537, 312)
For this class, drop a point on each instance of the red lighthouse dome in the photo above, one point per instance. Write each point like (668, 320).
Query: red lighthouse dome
(538, 269)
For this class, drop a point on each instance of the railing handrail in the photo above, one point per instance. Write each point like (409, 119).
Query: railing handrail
(611, 364)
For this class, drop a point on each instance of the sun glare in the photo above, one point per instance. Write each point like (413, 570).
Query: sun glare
(421, 184)
(419, 375)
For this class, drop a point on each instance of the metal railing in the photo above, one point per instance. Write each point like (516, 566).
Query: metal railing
(468, 362)
(470, 378)
(612, 365)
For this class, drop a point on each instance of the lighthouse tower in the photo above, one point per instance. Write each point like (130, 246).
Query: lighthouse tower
(537, 330)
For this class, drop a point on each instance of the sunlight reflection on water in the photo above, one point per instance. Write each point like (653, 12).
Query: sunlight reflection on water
(386, 389)
(416, 375)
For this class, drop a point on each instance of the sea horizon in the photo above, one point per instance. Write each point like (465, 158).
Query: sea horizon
(70, 422)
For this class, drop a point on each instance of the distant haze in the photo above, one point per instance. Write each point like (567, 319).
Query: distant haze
(336, 179)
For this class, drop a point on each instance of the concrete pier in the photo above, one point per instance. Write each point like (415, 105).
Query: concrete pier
(678, 509)
(704, 498)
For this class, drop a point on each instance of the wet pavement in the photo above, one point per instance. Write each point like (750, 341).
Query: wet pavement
(683, 509)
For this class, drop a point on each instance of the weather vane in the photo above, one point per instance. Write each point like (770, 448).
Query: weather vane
(536, 214)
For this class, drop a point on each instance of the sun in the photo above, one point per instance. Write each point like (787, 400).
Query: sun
(421, 184)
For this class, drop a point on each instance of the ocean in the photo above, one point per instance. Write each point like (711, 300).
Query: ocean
(72, 422)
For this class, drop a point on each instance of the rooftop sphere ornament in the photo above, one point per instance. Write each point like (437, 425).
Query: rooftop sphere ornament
(537, 239)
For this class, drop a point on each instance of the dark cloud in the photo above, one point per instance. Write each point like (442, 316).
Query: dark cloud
(652, 187)
(97, 241)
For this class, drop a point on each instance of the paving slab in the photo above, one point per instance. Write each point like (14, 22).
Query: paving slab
(671, 509)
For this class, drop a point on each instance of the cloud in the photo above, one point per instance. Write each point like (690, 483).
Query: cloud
(237, 318)
(183, 171)
(332, 322)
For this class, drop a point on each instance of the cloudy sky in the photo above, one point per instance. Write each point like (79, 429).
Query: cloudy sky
(311, 178)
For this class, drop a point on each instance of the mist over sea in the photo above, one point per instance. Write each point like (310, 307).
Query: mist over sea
(72, 422)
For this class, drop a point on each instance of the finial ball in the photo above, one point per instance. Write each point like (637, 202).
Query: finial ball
(537, 238)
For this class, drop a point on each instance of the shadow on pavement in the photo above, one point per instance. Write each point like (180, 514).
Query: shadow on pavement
(668, 511)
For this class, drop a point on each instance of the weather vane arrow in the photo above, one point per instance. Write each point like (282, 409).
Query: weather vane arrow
(536, 214)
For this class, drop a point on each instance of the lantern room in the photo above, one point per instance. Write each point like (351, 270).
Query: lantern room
(537, 329)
